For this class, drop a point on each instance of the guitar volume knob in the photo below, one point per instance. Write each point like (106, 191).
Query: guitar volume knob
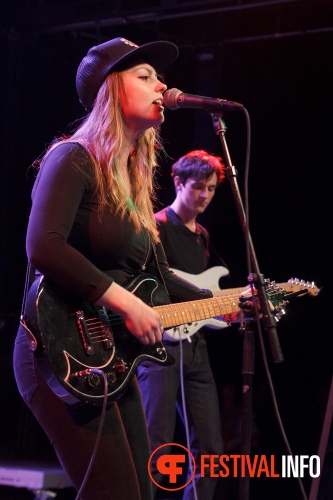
(94, 379)
(111, 377)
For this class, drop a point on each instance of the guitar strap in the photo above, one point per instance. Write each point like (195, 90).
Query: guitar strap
(158, 266)
(29, 279)
(213, 251)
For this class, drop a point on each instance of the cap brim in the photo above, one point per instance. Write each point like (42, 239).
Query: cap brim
(159, 54)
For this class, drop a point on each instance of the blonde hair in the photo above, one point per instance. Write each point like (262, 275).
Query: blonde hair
(101, 134)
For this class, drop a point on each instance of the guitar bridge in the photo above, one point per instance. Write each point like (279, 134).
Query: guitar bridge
(93, 331)
(83, 329)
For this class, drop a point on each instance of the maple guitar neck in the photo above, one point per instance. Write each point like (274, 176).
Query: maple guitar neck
(187, 312)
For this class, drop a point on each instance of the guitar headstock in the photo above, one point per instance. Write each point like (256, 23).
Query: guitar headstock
(298, 287)
(280, 293)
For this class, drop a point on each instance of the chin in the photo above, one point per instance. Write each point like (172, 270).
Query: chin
(162, 117)
(158, 120)
(199, 211)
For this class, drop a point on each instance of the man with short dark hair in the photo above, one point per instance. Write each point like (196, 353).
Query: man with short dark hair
(196, 176)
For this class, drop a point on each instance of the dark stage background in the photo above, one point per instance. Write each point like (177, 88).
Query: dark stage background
(275, 57)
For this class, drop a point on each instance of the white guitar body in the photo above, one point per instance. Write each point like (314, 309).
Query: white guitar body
(208, 279)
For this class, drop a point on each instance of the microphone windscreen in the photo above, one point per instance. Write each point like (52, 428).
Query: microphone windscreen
(170, 98)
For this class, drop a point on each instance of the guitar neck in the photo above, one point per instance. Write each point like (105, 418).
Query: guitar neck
(230, 291)
(196, 310)
(224, 302)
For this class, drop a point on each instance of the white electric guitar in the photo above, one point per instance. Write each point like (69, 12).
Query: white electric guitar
(210, 279)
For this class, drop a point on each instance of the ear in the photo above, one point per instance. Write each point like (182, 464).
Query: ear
(177, 182)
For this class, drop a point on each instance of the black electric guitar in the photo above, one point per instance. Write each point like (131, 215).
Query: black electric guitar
(86, 354)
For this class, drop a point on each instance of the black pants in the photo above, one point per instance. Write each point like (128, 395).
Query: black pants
(120, 467)
(161, 392)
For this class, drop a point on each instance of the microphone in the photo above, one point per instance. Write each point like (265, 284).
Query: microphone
(175, 99)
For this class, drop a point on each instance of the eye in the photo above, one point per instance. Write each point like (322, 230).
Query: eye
(160, 77)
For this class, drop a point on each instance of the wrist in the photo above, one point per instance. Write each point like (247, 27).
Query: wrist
(115, 297)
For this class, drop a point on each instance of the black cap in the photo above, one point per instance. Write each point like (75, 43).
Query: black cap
(116, 55)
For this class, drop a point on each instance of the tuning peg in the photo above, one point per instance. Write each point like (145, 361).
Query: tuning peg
(303, 283)
(294, 280)
(278, 314)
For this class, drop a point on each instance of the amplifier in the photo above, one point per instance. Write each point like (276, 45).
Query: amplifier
(33, 475)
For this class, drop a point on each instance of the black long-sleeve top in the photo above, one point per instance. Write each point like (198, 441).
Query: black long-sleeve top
(81, 249)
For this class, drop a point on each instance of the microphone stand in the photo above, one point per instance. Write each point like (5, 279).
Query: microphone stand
(256, 279)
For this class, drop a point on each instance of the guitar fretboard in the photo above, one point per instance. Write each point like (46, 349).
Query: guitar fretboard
(196, 310)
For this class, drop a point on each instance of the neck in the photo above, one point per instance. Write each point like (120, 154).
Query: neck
(186, 215)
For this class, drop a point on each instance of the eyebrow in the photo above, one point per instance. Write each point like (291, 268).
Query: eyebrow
(203, 182)
(142, 66)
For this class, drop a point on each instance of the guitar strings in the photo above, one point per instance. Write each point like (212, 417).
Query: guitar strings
(187, 311)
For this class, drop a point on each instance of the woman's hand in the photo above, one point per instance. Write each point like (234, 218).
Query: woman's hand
(141, 320)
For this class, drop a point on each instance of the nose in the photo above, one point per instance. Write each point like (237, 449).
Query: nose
(161, 86)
